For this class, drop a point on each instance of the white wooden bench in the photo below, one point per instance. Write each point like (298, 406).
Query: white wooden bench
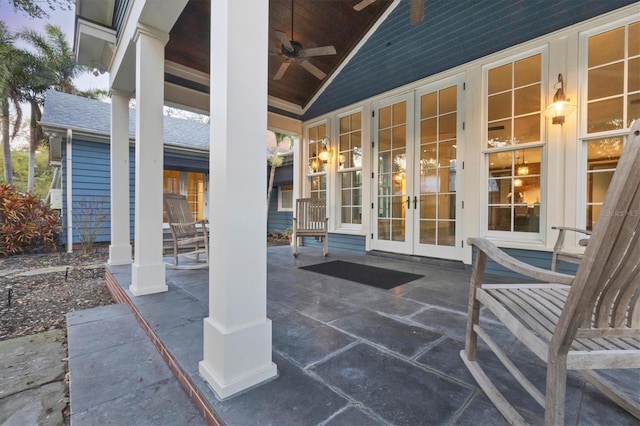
(584, 323)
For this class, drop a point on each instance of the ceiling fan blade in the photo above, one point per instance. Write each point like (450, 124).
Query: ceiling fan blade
(417, 11)
(317, 72)
(361, 5)
(282, 70)
(317, 51)
(284, 40)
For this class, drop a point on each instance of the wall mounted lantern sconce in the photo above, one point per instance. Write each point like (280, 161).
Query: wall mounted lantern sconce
(325, 153)
(561, 106)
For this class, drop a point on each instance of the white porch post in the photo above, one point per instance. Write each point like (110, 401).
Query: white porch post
(120, 247)
(237, 333)
(148, 271)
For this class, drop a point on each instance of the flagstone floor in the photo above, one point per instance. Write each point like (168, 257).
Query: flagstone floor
(350, 354)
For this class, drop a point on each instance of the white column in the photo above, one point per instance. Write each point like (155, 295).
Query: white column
(148, 270)
(237, 333)
(120, 247)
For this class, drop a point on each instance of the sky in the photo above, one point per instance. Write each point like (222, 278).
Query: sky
(65, 19)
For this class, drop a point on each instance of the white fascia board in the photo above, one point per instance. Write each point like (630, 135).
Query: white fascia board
(284, 105)
(94, 44)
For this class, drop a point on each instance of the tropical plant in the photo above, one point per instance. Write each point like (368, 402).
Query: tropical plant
(52, 66)
(27, 225)
(10, 81)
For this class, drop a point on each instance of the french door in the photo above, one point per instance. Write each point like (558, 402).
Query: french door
(416, 173)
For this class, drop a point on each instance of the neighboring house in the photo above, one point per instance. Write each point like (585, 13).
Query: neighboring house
(186, 165)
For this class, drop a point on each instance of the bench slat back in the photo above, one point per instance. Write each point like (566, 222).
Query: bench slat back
(178, 212)
(311, 214)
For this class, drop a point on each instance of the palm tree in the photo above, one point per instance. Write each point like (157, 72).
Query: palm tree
(52, 66)
(11, 78)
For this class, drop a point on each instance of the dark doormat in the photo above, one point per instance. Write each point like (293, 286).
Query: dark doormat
(363, 274)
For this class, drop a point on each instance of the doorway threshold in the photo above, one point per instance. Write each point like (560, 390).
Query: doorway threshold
(443, 263)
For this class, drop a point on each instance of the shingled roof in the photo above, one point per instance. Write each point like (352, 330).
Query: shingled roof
(65, 111)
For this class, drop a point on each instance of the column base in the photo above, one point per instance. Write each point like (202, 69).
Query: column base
(119, 255)
(238, 360)
(147, 279)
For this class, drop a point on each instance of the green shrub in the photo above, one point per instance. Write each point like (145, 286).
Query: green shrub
(27, 225)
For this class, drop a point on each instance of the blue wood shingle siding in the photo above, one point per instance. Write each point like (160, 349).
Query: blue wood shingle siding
(277, 221)
(339, 242)
(399, 53)
(541, 259)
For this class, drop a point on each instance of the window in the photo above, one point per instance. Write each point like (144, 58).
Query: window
(285, 198)
(350, 169)
(317, 169)
(514, 145)
(190, 184)
(612, 103)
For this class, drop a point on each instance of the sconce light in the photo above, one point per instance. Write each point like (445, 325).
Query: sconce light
(561, 106)
(325, 153)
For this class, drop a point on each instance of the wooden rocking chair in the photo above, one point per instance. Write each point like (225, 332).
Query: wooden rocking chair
(310, 221)
(584, 323)
(559, 251)
(190, 237)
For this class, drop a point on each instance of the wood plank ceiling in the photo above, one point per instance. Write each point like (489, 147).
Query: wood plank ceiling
(315, 24)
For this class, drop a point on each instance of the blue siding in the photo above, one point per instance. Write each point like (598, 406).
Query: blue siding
(453, 33)
(340, 242)
(541, 259)
(277, 221)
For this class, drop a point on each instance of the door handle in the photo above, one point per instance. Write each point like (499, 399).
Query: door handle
(408, 203)
(415, 202)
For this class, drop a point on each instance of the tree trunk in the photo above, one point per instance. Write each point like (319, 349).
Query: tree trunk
(6, 141)
(35, 138)
(272, 176)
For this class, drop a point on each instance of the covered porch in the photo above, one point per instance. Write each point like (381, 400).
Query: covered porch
(348, 353)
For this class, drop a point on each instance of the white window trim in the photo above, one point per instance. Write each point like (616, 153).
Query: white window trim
(583, 136)
(284, 209)
(530, 238)
(349, 227)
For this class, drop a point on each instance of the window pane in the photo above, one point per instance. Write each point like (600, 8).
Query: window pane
(447, 126)
(446, 233)
(447, 154)
(499, 218)
(500, 79)
(448, 100)
(634, 39)
(384, 140)
(527, 100)
(634, 75)
(447, 206)
(605, 115)
(344, 124)
(499, 106)
(606, 81)
(606, 47)
(399, 136)
(527, 71)
(633, 110)
(427, 232)
(499, 133)
(399, 113)
(356, 120)
(526, 129)
(385, 118)
(345, 142)
(428, 130)
(428, 206)
(428, 105)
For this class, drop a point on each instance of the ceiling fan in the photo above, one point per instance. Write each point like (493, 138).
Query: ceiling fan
(417, 9)
(292, 51)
